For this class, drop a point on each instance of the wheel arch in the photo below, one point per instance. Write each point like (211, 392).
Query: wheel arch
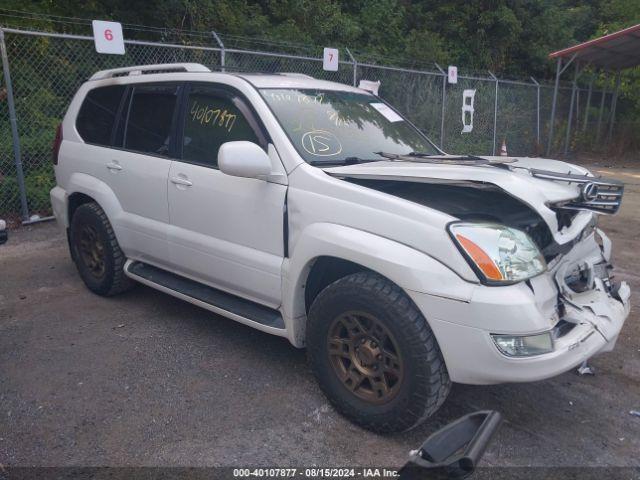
(326, 252)
(76, 199)
(83, 188)
(325, 270)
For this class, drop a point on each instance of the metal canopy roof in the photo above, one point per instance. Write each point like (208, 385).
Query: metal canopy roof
(616, 51)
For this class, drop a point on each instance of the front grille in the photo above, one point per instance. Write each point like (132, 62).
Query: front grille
(596, 194)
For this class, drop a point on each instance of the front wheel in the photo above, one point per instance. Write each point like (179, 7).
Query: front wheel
(374, 355)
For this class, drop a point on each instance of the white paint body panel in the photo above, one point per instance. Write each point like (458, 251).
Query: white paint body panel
(228, 232)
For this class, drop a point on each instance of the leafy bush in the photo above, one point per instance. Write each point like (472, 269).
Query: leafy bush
(38, 183)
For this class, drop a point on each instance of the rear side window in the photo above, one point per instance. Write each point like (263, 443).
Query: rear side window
(98, 113)
(211, 119)
(151, 115)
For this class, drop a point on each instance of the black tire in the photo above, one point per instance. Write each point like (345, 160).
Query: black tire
(102, 269)
(422, 383)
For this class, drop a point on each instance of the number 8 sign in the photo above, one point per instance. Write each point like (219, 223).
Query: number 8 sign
(108, 37)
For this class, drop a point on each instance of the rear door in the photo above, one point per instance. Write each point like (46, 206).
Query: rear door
(138, 168)
(226, 231)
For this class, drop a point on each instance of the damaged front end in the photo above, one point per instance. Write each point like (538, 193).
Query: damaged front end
(576, 308)
(482, 201)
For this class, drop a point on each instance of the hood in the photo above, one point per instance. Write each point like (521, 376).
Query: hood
(551, 197)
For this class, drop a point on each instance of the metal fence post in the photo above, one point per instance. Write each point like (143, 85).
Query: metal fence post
(495, 112)
(355, 67)
(604, 94)
(614, 102)
(14, 128)
(571, 104)
(553, 105)
(586, 108)
(444, 99)
(537, 111)
(222, 52)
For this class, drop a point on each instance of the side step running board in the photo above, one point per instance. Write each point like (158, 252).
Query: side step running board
(217, 301)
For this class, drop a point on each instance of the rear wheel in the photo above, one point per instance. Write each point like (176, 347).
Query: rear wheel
(374, 355)
(96, 252)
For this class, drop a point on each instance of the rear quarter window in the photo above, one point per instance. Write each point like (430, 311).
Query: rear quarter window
(98, 113)
(150, 121)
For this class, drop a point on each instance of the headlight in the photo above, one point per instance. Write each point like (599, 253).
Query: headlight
(500, 254)
(524, 346)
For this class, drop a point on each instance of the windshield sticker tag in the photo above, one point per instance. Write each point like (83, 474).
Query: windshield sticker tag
(468, 97)
(387, 112)
(321, 143)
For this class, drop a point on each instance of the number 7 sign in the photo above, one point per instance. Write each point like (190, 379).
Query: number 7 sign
(108, 37)
(330, 59)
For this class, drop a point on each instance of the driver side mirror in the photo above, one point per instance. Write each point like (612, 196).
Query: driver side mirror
(453, 451)
(243, 159)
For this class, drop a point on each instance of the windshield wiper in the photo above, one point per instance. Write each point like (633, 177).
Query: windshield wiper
(439, 156)
(344, 161)
(423, 154)
(443, 159)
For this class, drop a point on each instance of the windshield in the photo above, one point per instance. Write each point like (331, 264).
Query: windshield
(328, 126)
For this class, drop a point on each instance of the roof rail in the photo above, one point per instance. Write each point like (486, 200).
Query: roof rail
(296, 75)
(158, 68)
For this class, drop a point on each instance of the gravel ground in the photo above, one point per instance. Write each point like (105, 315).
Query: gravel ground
(145, 379)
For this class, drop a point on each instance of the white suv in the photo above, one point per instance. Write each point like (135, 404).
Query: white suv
(314, 211)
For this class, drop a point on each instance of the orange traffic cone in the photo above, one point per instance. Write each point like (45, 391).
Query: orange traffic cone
(503, 148)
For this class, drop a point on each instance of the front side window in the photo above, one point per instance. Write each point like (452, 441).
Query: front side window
(97, 114)
(211, 119)
(328, 126)
(150, 119)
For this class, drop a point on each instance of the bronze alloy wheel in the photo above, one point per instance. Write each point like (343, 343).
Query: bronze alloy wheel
(92, 251)
(365, 357)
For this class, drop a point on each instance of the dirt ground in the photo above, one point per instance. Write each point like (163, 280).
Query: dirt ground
(145, 379)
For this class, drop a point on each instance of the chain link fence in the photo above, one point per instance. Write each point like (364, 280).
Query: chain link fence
(473, 116)
(417, 94)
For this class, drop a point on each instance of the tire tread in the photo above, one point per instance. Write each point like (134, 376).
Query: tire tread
(433, 386)
(119, 282)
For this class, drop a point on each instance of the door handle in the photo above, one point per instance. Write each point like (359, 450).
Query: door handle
(181, 181)
(114, 166)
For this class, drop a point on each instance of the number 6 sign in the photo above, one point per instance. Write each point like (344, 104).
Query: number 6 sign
(107, 37)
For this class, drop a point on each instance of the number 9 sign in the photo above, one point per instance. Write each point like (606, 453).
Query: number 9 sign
(108, 37)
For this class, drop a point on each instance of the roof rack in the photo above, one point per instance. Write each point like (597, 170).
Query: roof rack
(142, 69)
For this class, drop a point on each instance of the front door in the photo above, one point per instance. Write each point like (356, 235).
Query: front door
(225, 231)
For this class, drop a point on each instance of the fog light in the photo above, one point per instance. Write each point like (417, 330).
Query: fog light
(524, 346)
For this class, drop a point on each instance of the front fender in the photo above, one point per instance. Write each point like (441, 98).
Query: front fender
(403, 265)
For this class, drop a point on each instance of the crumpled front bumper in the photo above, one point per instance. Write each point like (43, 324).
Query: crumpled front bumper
(603, 308)
(592, 319)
